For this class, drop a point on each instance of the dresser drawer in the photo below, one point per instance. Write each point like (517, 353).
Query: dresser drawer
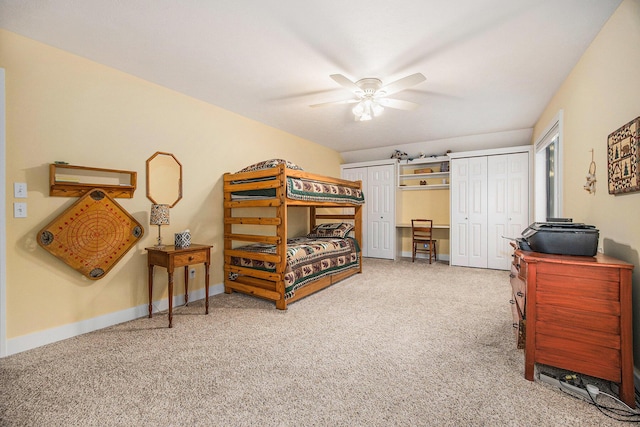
(518, 300)
(519, 267)
(519, 289)
(189, 258)
(518, 325)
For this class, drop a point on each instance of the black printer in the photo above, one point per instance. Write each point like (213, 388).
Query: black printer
(560, 237)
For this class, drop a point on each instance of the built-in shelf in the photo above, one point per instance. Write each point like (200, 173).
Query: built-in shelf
(75, 181)
(424, 174)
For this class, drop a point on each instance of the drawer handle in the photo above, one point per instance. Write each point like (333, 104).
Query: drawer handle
(520, 294)
(511, 301)
(515, 325)
(191, 258)
(511, 275)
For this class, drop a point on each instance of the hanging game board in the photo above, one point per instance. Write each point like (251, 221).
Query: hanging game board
(92, 235)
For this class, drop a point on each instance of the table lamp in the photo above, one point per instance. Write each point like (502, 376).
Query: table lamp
(159, 216)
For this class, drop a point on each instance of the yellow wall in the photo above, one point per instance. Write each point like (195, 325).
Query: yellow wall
(427, 204)
(600, 95)
(64, 107)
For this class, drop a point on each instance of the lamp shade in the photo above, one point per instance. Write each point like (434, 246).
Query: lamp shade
(159, 215)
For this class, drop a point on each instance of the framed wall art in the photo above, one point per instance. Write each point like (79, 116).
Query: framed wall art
(623, 158)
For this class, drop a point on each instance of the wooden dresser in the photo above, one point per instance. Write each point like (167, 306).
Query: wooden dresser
(575, 313)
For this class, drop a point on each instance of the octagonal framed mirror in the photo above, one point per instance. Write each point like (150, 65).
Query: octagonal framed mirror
(164, 179)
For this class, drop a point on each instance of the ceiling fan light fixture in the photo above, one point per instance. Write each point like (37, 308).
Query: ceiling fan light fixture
(376, 108)
(358, 110)
(367, 109)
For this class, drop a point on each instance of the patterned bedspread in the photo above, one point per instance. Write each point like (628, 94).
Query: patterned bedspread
(308, 190)
(303, 189)
(307, 259)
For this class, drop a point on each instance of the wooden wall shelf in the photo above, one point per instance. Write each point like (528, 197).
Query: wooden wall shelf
(75, 181)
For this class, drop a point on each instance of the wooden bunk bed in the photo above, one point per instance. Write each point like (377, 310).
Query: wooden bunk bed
(248, 195)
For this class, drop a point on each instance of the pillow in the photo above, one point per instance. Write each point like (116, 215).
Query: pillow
(267, 164)
(336, 229)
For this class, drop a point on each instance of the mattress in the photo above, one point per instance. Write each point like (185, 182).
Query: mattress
(308, 259)
(305, 189)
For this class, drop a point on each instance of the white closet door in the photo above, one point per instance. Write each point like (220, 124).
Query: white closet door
(360, 174)
(519, 197)
(477, 238)
(508, 205)
(381, 208)
(469, 212)
(459, 227)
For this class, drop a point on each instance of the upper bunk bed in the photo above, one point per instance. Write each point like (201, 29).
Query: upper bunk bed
(274, 265)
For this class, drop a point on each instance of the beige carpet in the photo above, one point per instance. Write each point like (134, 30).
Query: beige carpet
(401, 344)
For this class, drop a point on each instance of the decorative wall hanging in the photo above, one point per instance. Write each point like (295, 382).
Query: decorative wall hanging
(590, 185)
(623, 158)
(92, 235)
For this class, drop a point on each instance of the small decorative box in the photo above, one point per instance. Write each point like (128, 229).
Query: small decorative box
(423, 170)
(183, 239)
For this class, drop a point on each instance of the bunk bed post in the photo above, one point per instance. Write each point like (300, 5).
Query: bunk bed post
(227, 227)
(281, 232)
(358, 229)
(312, 217)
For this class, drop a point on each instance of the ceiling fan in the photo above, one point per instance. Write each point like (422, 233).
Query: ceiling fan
(371, 95)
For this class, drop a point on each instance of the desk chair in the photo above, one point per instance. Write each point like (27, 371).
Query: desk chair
(422, 236)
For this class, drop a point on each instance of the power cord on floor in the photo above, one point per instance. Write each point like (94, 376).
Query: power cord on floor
(618, 414)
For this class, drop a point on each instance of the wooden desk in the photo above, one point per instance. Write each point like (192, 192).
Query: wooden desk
(171, 257)
(444, 226)
(440, 232)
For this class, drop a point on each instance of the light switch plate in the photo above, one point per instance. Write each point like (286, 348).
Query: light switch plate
(19, 210)
(20, 190)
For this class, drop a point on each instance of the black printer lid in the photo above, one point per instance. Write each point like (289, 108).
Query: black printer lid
(558, 227)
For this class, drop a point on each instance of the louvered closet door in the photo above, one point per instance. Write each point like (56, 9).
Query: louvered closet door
(508, 206)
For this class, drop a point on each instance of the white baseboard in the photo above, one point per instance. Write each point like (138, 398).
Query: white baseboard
(48, 336)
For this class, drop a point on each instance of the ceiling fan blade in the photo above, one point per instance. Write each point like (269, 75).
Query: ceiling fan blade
(346, 83)
(398, 104)
(323, 104)
(403, 83)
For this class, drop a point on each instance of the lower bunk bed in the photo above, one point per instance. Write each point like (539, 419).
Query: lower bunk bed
(274, 266)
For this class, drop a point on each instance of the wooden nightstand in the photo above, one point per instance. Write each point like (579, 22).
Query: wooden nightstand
(171, 257)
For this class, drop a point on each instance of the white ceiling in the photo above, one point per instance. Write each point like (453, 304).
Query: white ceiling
(491, 65)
